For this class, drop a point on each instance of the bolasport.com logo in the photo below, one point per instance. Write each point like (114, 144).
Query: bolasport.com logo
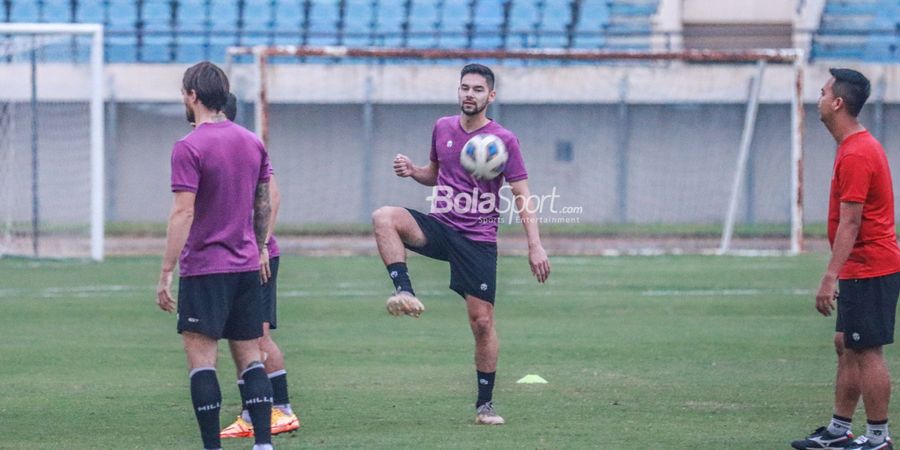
(505, 207)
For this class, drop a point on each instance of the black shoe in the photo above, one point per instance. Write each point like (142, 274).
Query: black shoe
(822, 439)
(863, 443)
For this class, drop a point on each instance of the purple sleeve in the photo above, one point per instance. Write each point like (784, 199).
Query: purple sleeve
(515, 166)
(185, 168)
(434, 155)
(265, 169)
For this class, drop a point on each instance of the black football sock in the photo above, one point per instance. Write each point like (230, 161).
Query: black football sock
(400, 277)
(280, 388)
(485, 387)
(258, 402)
(207, 400)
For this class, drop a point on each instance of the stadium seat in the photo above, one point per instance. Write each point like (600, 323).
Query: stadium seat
(155, 49)
(56, 11)
(323, 19)
(453, 24)
(390, 16)
(223, 16)
(555, 18)
(89, 12)
(24, 12)
(488, 21)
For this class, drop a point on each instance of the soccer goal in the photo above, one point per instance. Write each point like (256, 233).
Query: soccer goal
(51, 140)
(672, 138)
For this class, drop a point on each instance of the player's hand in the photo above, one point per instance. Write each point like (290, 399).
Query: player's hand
(163, 292)
(265, 272)
(540, 265)
(403, 167)
(826, 296)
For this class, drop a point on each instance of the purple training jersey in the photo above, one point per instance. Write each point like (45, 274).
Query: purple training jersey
(221, 163)
(476, 220)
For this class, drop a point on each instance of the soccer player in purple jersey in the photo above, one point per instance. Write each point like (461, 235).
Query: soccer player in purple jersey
(216, 235)
(457, 232)
(283, 417)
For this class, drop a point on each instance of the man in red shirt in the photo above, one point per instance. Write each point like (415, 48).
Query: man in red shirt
(863, 274)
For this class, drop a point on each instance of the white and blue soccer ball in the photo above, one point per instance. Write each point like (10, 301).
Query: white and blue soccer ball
(484, 156)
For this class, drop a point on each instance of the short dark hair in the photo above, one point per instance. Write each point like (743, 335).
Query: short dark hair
(479, 69)
(851, 86)
(210, 84)
(230, 109)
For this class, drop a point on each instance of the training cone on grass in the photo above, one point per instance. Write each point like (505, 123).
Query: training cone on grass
(532, 379)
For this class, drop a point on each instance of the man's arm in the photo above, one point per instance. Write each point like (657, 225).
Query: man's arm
(275, 199)
(537, 257)
(844, 239)
(177, 230)
(262, 217)
(426, 175)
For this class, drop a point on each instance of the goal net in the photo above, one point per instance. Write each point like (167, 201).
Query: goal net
(650, 151)
(51, 140)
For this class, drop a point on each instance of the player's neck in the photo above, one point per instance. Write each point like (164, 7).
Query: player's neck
(204, 115)
(472, 123)
(845, 128)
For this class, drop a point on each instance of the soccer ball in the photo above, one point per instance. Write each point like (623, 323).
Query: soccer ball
(484, 156)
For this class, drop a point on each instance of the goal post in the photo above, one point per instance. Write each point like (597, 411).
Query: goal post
(794, 59)
(51, 122)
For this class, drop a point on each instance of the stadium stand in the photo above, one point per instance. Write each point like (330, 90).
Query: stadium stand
(864, 30)
(161, 31)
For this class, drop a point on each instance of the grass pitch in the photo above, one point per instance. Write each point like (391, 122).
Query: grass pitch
(677, 352)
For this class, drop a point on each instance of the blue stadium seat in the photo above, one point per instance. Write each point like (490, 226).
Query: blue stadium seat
(24, 12)
(454, 18)
(258, 16)
(388, 25)
(288, 19)
(155, 49)
(423, 17)
(849, 8)
(192, 14)
(323, 18)
(593, 16)
(555, 19)
(89, 12)
(122, 15)
(358, 17)
(524, 16)
(223, 16)
(488, 21)
(881, 48)
(191, 49)
(120, 48)
(56, 11)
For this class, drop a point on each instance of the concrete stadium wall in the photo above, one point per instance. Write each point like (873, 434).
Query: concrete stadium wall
(680, 160)
(683, 129)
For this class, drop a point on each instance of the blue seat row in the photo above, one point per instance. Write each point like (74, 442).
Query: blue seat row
(866, 30)
(187, 30)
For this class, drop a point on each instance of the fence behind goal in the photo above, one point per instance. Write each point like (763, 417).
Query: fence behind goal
(51, 140)
(634, 144)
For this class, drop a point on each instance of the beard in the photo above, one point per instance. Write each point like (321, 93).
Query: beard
(188, 114)
(473, 112)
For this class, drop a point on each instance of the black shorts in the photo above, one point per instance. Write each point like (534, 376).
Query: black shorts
(269, 296)
(473, 265)
(221, 305)
(866, 309)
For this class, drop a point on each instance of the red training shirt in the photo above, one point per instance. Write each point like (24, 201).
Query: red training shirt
(861, 175)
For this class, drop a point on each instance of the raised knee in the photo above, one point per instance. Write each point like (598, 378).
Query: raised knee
(382, 217)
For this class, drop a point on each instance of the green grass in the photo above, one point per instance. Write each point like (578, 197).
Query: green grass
(816, 230)
(640, 352)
